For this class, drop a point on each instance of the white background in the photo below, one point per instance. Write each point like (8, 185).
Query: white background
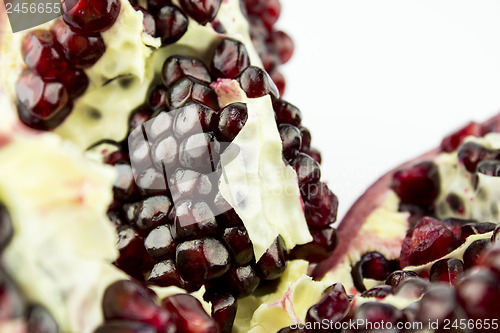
(382, 81)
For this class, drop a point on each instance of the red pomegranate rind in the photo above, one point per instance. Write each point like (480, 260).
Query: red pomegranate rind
(370, 200)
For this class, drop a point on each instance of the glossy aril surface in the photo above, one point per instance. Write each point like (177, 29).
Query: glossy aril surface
(90, 16)
(446, 270)
(238, 244)
(171, 24)
(471, 153)
(333, 306)
(374, 312)
(189, 314)
(177, 67)
(287, 113)
(398, 277)
(224, 307)
(43, 54)
(190, 89)
(320, 205)
(418, 185)
(291, 140)
(379, 292)
(229, 59)
(203, 11)
(272, 263)
(232, 118)
(412, 288)
(473, 253)
(322, 246)
(239, 281)
(75, 81)
(308, 170)
(255, 82)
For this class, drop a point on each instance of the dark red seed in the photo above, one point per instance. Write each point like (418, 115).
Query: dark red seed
(124, 187)
(473, 253)
(203, 11)
(291, 140)
(155, 5)
(412, 288)
(308, 170)
(202, 259)
(90, 16)
(255, 82)
(475, 229)
(451, 142)
(374, 265)
(42, 53)
(39, 320)
(238, 244)
(446, 270)
(232, 118)
(315, 154)
(132, 253)
(418, 185)
(306, 138)
(438, 304)
(399, 276)
(159, 243)
(177, 67)
(189, 314)
(379, 292)
(193, 219)
(267, 10)
(429, 240)
(283, 44)
(152, 212)
(81, 50)
(333, 307)
(320, 205)
(157, 98)
(189, 88)
(128, 300)
(171, 24)
(272, 263)
(165, 274)
(495, 238)
(124, 326)
(189, 184)
(491, 259)
(224, 212)
(12, 303)
(75, 81)
(287, 113)
(6, 229)
(193, 118)
(471, 153)
(200, 152)
(139, 116)
(279, 81)
(489, 168)
(322, 246)
(148, 21)
(229, 59)
(240, 281)
(151, 182)
(224, 307)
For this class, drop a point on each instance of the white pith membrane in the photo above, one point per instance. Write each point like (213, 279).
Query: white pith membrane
(63, 242)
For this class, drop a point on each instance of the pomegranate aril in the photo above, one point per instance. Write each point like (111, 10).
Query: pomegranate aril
(229, 59)
(272, 263)
(151, 182)
(240, 281)
(189, 314)
(418, 185)
(203, 11)
(379, 292)
(124, 326)
(446, 270)
(376, 312)
(224, 212)
(279, 81)
(42, 53)
(157, 98)
(171, 24)
(473, 253)
(128, 300)
(291, 140)
(232, 118)
(491, 259)
(315, 154)
(90, 16)
(139, 116)
(152, 212)
(165, 151)
(322, 246)
(308, 170)
(75, 81)
(398, 277)
(200, 152)
(320, 205)
(124, 188)
(177, 67)
(451, 142)
(148, 21)
(224, 307)
(489, 168)
(266, 10)
(332, 307)
(305, 136)
(6, 229)
(155, 5)
(283, 44)
(132, 253)
(412, 288)
(165, 273)
(81, 50)
(287, 113)
(471, 153)
(429, 240)
(12, 304)
(255, 82)
(202, 259)
(193, 118)
(187, 89)
(475, 229)
(438, 304)
(193, 219)
(159, 243)
(39, 320)
(372, 265)
(238, 244)
(189, 184)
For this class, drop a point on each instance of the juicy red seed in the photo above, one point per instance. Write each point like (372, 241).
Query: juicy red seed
(116, 157)
(11, 300)
(189, 314)
(159, 243)
(332, 307)
(203, 11)
(238, 244)
(255, 82)
(379, 292)
(397, 277)
(152, 212)
(90, 16)
(229, 59)
(291, 140)
(489, 168)
(124, 187)
(189, 88)
(132, 253)
(315, 154)
(475, 229)
(320, 205)
(471, 153)
(164, 153)
(491, 259)
(155, 5)
(80, 49)
(193, 118)
(308, 170)
(232, 118)
(376, 312)
(495, 238)
(224, 212)
(418, 185)
(139, 116)
(39, 320)
(240, 281)
(164, 274)
(200, 152)
(429, 240)
(436, 305)
(193, 219)
(189, 184)
(75, 81)
(202, 259)
(128, 300)
(6, 229)
(305, 139)
(451, 142)
(151, 182)
(287, 113)
(322, 246)
(224, 311)
(267, 10)
(473, 253)
(148, 21)
(375, 266)
(124, 326)
(171, 24)
(157, 98)
(279, 81)
(446, 270)
(42, 53)
(478, 294)
(412, 288)
(272, 263)
(284, 45)
(177, 67)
